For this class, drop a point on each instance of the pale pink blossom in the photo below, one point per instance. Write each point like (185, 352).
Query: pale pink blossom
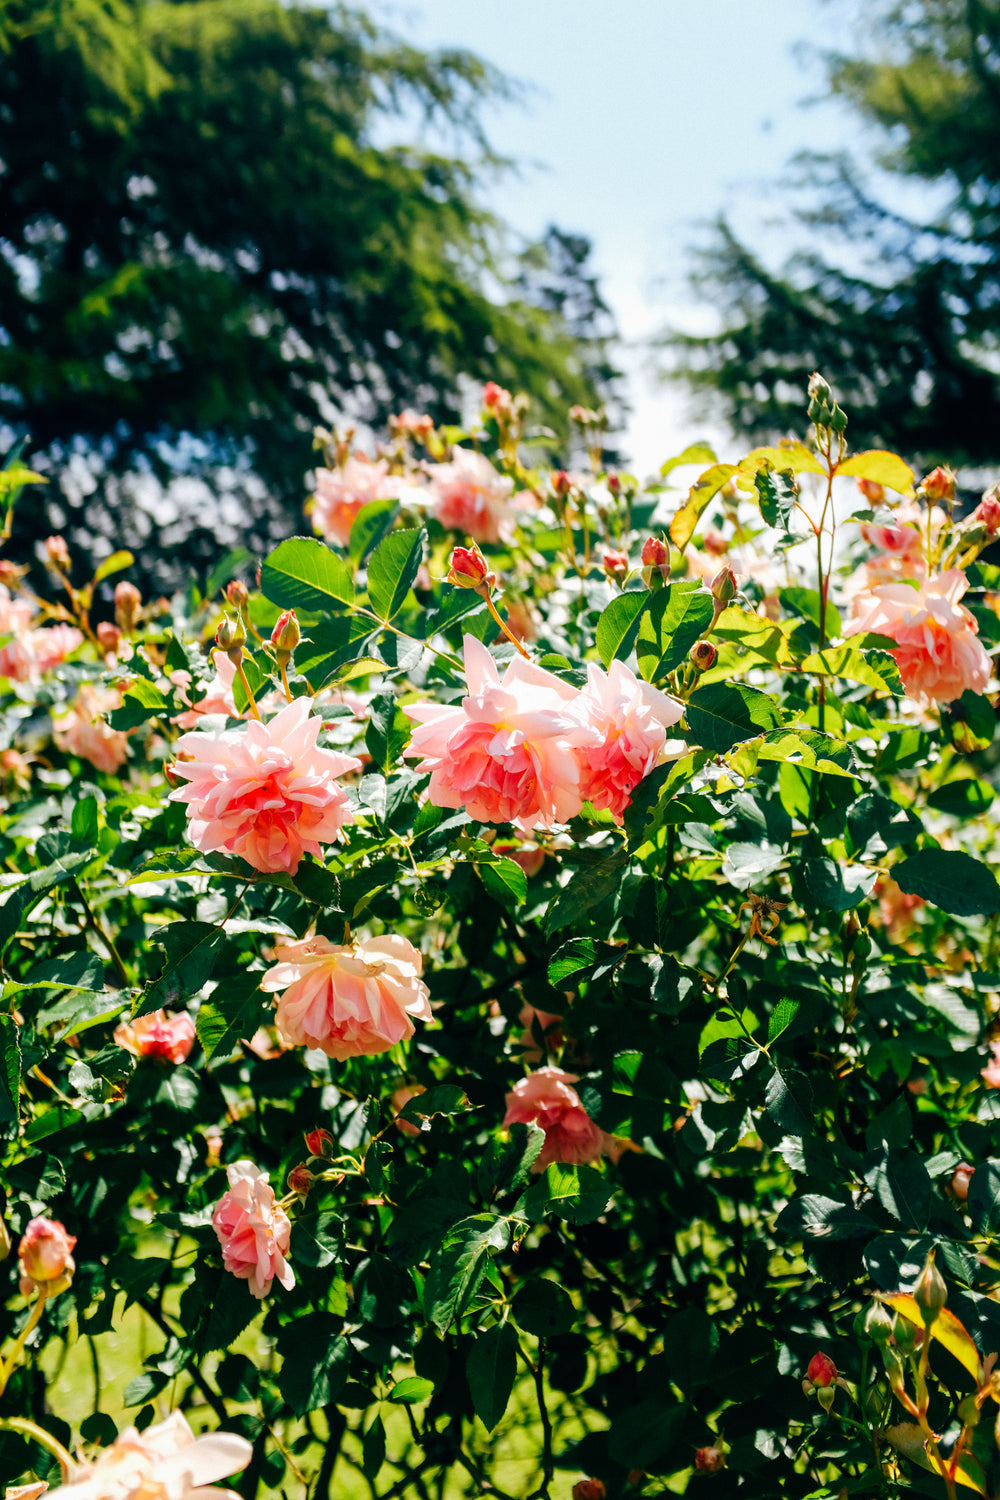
(632, 719)
(902, 540)
(991, 1073)
(253, 1231)
(341, 493)
(470, 496)
(44, 1257)
(217, 697)
(15, 614)
(82, 729)
(937, 652)
(265, 792)
(165, 1462)
(168, 1038)
(506, 752)
(28, 654)
(547, 1099)
(349, 1000)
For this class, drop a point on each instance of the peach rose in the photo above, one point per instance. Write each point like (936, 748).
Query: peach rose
(169, 1038)
(506, 752)
(253, 1231)
(341, 493)
(166, 1462)
(348, 1000)
(937, 653)
(546, 1098)
(631, 718)
(470, 496)
(44, 1257)
(265, 792)
(82, 730)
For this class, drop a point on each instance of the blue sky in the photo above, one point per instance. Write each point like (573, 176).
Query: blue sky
(645, 120)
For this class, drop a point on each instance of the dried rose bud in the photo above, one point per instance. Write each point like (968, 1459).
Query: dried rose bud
(589, 1489)
(703, 655)
(709, 1460)
(286, 634)
(237, 593)
(939, 484)
(57, 553)
(615, 565)
(873, 492)
(469, 569)
(300, 1180)
(655, 553)
(960, 1179)
(45, 1258)
(724, 586)
(319, 1143)
(128, 602)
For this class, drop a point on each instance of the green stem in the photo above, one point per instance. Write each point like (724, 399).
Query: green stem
(251, 700)
(7, 1368)
(44, 1439)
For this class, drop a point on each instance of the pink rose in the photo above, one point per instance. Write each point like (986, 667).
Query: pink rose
(546, 1099)
(631, 718)
(82, 730)
(15, 614)
(165, 1462)
(506, 752)
(44, 1257)
(253, 1231)
(348, 1000)
(29, 653)
(169, 1038)
(938, 654)
(341, 493)
(470, 496)
(991, 1073)
(899, 541)
(265, 792)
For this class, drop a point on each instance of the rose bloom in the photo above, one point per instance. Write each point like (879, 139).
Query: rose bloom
(166, 1462)
(903, 541)
(82, 731)
(265, 792)
(470, 496)
(253, 1231)
(348, 1000)
(506, 752)
(937, 653)
(896, 909)
(169, 1038)
(44, 1256)
(26, 656)
(547, 1099)
(632, 719)
(991, 1073)
(341, 493)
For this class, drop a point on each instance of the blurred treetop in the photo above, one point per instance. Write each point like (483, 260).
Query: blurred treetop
(205, 238)
(900, 310)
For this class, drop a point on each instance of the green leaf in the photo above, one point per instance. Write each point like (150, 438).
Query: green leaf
(388, 731)
(776, 495)
(725, 714)
(141, 702)
(113, 564)
(490, 1369)
(137, 1275)
(954, 881)
(316, 1359)
(505, 1165)
(874, 669)
(984, 1198)
(881, 468)
(371, 524)
(442, 1099)
(586, 888)
(232, 1014)
(506, 882)
(878, 823)
(190, 951)
(373, 1450)
(814, 1216)
(10, 1070)
(392, 569)
(302, 573)
(619, 625)
(838, 887)
(970, 721)
(574, 957)
(789, 458)
(675, 618)
(411, 1390)
(695, 453)
(544, 1309)
(962, 799)
(704, 490)
(579, 1194)
(899, 1180)
(788, 1100)
(459, 1264)
(781, 1018)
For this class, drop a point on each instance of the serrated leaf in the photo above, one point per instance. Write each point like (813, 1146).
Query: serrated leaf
(574, 957)
(579, 1194)
(141, 702)
(459, 1264)
(372, 522)
(899, 1180)
(880, 467)
(874, 669)
(781, 1018)
(505, 881)
(233, 1013)
(984, 1198)
(675, 618)
(788, 1100)
(316, 1360)
(10, 1070)
(619, 625)
(722, 715)
(838, 887)
(411, 1390)
(702, 492)
(391, 570)
(490, 1368)
(966, 798)
(954, 881)
(190, 951)
(302, 573)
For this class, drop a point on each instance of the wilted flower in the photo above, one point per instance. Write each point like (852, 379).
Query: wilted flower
(703, 655)
(166, 1462)
(938, 655)
(547, 1099)
(349, 1000)
(631, 719)
(82, 729)
(168, 1038)
(470, 496)
(253, 1231)
(265, 792)
(44, 1257)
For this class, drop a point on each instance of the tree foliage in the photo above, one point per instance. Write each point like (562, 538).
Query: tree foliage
(900, 307)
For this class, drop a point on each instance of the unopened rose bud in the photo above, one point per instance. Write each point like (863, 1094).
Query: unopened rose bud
(45, 1257)
(879, 1324)
(960, 1179)
(930, 1293)
(286, 634)
(561, 482)
(615, 565)
(987, 512)
(655, 553)
(709, 1460)
(589, 1489)
(724, 586)
(108, 637)
(128, 602)
(300, 1180)
(614, 483)
(703, 655)
(469, 569)
(11, 574)
(873, 492)
(821, 1371)
(237, 593)
(319, 1143)
(495, 396)
(231, 637)
(939, 484)
(57, 553)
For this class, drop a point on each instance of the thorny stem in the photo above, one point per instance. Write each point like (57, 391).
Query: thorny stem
(45, 1439)
(7, 1368)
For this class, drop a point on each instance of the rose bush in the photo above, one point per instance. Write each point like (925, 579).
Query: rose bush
(507, 1000)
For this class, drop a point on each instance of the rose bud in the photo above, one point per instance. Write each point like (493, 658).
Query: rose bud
(930, 1293)
(231, 638)
(873, 492)
(589, 1489)
(319, 1143)
(237, 593)
(286, 634)
(724, 586)
(615, 565)
(561, 482)
(494, 395)
(45, 1257)
(108, 636)
(960, 1179)
(821, 1371)
(57, 553)
(939, 484)
(703, 655)
(469, 569)
(11, 574)
(987, 512)
(128, 602)
(709, 1460)
(300, 1180)
(614, 483)
(655, 553)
